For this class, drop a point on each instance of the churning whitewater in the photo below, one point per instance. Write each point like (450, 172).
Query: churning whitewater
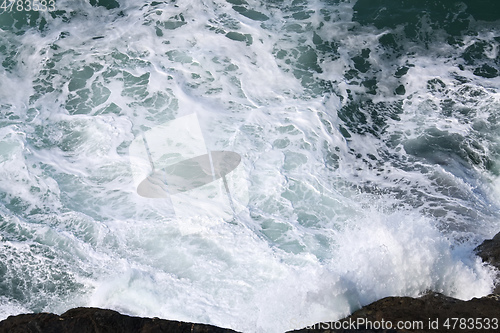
(257, 165)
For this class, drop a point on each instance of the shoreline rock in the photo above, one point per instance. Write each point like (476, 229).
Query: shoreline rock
(429, 313)
(433, 312)
(95, 320)
(489, 251)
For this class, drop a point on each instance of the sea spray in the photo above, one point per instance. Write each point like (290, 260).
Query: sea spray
(369, 147)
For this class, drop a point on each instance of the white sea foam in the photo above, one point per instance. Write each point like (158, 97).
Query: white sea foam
(331, 222)
(8, 308)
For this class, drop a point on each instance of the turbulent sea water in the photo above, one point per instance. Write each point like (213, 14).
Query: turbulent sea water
(369, 137)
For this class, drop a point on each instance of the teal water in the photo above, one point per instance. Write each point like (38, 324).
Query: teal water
(369, 140)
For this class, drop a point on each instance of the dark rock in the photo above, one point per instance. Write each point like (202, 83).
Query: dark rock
(94, 320)
(489, 251)
(430, 313)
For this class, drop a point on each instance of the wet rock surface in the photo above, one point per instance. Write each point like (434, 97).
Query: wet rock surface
(489, 251)
(94, 320)
(430, 313)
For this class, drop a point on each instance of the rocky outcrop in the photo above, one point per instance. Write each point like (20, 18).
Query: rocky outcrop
(489, 251)
(94, 320)
(430, 313)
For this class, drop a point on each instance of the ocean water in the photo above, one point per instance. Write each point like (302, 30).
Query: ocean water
(365, 144)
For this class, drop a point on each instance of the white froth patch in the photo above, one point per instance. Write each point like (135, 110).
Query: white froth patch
(9, 307)
(191, 269)
(212, 272)
(495, 188)
(404, 254)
